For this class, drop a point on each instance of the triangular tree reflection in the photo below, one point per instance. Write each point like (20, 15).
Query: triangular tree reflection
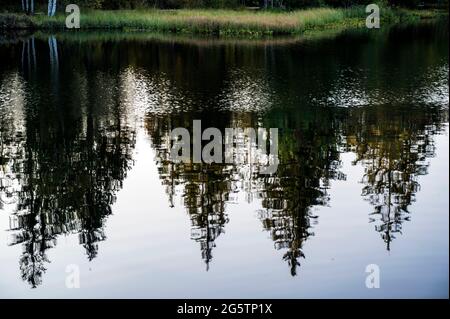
(394, 146)
(309, 160)
(205, 187)
(69, 160)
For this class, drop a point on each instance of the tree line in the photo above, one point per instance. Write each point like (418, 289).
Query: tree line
(30, 6)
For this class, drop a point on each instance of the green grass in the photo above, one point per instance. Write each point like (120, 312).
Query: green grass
(202, 21)
(223, 22)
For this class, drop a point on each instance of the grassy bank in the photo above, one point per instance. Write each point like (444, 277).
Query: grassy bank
(222, 22)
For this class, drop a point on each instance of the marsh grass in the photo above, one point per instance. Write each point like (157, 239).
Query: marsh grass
(201, 21)
(222, 22)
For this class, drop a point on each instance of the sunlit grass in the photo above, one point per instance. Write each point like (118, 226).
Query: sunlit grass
(233, 22)
(203, 21)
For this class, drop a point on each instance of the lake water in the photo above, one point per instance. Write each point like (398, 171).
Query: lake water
(88, 191)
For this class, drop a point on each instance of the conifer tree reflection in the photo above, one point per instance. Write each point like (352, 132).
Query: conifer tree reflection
(309, 159)
(205, 187)
(393, 145)
(70, 163)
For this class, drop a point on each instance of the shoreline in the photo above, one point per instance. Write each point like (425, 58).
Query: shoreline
(88, 36)
(221, 23)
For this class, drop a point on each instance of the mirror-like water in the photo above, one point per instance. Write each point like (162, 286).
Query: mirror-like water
(86, 184)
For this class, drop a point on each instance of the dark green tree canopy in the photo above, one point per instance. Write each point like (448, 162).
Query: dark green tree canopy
(174, 4)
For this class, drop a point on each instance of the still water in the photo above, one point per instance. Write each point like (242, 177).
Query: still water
(87, 187)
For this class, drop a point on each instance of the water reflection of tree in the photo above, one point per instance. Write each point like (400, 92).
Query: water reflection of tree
(309, 159)
(393, 145)
(205, 187)
(74, 155)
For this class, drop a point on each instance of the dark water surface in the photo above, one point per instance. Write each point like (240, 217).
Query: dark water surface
(86, 182)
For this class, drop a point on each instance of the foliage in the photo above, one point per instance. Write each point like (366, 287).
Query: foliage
(177, 4)
(15, 21)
